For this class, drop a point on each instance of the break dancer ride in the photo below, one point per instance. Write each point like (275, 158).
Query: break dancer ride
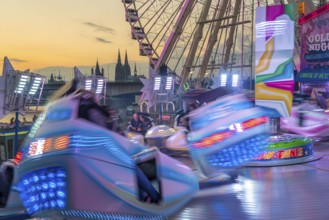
(74, 168)
(309, 120)
(226, 134)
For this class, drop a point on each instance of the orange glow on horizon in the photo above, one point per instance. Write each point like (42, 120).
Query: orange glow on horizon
(65, 33)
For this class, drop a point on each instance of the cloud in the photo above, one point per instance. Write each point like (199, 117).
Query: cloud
(100, 28)
(16, 60)
(102, 40)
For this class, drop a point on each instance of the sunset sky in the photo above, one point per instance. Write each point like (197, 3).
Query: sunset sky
(36, 34)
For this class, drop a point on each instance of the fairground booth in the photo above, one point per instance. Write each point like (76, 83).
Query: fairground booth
(314, 55)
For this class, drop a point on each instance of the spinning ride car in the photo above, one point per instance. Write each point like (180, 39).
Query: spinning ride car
(307, 120)
(227, 133)
(73, 168)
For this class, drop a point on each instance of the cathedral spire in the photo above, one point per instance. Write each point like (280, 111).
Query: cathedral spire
(135, 71)
(126, 68)
(119, 58)
(126, 58)
(119, 70)
(97, 70)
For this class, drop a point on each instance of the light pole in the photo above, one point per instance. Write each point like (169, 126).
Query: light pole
(21, 88)
(163, 90)
(108, 73)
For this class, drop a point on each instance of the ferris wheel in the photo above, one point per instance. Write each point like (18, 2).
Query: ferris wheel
(196, 37)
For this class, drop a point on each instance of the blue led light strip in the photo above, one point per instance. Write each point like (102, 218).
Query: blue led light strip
(107, 216)
(81, 141)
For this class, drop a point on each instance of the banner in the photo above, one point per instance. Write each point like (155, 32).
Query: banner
(314, 42)
(274, 78)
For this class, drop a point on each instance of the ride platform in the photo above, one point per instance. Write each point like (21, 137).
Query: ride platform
(299, 191)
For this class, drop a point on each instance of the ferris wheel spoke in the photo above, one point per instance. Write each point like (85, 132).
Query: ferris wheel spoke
(148, 5)
(186, 10)
(213, 39)
(167, 28)
(184, 50)
(142, 5)
(161, 36)
(232, 31)
(196, 39)
(218, 57)
(156, 16)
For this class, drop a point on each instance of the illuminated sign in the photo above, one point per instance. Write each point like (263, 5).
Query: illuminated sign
(18, 157)
(41, 145)
(254, 122)
(314, 46)
(36, 147)
(314, 14)
(233, 129)
(215, 138)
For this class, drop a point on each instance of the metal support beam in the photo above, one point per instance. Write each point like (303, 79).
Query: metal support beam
(194, 46)
(175, 34)
(214, 65)
(230, 39)
(234, 24)
(213, 39)
(214, 20)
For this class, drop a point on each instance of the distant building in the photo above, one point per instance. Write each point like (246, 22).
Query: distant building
(55, 79)
(136, 77)
(122, 72)
(97, 71)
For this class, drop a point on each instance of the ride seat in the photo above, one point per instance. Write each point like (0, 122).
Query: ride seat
(147, 176)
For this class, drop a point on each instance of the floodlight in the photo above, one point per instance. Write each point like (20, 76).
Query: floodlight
(22, 84)
(157, 83)
(88, 84)
(35, 85)
(169, 81)
(100, 85)
(223, 79)
(235, 80)
(96, 84)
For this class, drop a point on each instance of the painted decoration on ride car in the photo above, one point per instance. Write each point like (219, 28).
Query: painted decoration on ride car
(314, 46)
(274, 76)
(288, 149)
(295, 152)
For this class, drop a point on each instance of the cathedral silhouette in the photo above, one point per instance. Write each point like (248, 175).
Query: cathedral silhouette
(122, 72)
(97, 71)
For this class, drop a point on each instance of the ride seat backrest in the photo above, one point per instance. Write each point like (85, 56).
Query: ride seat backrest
(92, 112)
(149, 169)
(146, 163)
